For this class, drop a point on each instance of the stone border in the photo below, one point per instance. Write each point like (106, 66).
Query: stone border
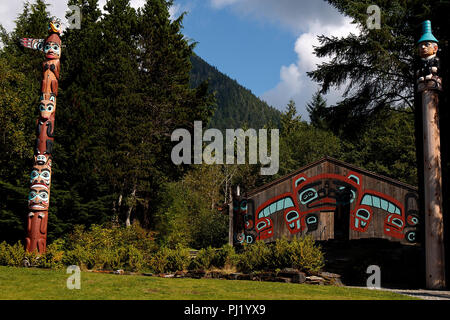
(287, 275)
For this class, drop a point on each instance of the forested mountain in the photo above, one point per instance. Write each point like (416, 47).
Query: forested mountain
(236, 105)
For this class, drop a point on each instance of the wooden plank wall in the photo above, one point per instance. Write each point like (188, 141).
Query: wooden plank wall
(404, 196)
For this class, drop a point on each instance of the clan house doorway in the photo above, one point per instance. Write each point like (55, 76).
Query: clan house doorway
(342, 215)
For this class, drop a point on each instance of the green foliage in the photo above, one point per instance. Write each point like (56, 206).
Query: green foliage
(109, 248)
(302, 143)
(304, 254)
(204, 259)
(256, 257)
(210, 258)
(187, 213)
(236, 106)
(225, 257)
(170, 260)
(301, 253)
(11, 255)
(317, 109)
(386, 146)
(53, 257)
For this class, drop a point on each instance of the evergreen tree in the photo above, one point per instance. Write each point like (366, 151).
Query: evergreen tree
(317, 110)
(290, 121)
(236, 105)
(20, 77)
(302, 143)
(377, 66)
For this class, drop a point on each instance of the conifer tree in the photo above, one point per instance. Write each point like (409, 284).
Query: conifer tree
(317, 109)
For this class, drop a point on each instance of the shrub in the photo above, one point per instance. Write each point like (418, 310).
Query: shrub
(300, 253)
(255, 257)
(178, 259)
(306, 255)
(80, 256)
(225, 257)
(204, 259)
(11, 255)
(159, 261)
(114, 248)
(134, 260)
(170, 260)
(53, 257)
(282, 253)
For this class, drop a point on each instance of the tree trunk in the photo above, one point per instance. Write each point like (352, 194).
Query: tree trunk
(116, 210)
(130, 209)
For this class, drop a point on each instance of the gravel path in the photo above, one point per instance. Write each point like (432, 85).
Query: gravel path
(419, 293)
(423, 294)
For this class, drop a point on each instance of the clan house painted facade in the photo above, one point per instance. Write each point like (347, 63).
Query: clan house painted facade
(327, 199)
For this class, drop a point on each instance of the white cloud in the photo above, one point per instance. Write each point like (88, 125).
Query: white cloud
(10, 10)
(307, 19)
(294, 83)
(222, 3)
(293, 14)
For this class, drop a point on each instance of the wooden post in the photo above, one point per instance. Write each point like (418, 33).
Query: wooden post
(429, 84)
(434, 226)
(230, 223)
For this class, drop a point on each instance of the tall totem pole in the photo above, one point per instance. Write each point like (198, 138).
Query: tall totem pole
(40, 179)
(429, 84)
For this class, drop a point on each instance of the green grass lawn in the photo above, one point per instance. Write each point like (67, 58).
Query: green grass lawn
(35, 284)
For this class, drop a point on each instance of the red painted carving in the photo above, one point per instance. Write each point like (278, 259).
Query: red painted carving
(324, 192)
(40, 180)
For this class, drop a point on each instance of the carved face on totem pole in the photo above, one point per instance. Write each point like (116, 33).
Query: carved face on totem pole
(52, 50)
(55, 25)
(427, 49)
(39, 197)
(41, 175)
(43, 160)
(47, 108)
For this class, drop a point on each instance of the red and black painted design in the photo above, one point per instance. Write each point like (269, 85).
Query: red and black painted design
(323, 193)
(244, 221)
(39, 196)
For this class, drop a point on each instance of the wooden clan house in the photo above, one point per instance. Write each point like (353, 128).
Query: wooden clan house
(328, 199)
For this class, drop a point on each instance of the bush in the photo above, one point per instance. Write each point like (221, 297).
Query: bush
(11, 255)
(170, 260)
(204, 259)
(299, 253)
(53, 257)
(225, 257)
(306, 255)
(110, 248)
(255, 257)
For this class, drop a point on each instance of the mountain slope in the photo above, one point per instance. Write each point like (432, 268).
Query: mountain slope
(236, 106)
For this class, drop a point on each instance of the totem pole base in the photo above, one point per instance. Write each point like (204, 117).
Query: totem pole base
(434, 226)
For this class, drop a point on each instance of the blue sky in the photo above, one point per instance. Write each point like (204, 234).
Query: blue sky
(248, 51)
(266, 45)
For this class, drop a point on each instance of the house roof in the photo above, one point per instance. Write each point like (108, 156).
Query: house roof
(339, 163)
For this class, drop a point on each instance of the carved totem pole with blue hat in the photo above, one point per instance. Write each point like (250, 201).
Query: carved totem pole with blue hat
(429, 84)
(428, 48)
